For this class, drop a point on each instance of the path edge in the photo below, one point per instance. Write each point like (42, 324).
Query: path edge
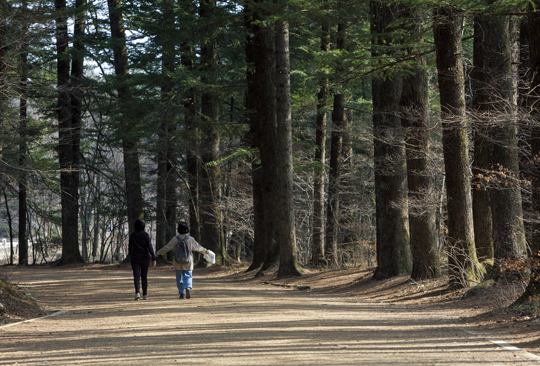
(59, 312)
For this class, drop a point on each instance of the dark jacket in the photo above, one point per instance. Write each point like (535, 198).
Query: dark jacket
(140, 248)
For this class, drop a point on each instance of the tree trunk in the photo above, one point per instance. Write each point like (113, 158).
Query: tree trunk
(161, 186)
(284, 198)
(499, 107)
(4, 6)
(334, 180)
(171, 183)
(96, 229)
(317, 246)
(532, 292)
(336, 156)
(210, 186)
(23, 152)
(131, 156)
(95, 242)
(263, 101)
(85, 222)
(422, 200)
(10, 223)
(483, 224)
(164, 146)
(192, 158)
(76, 92)
(192, 141)
(462, 261)
(256, 167)
(68, 144)
(392, 226)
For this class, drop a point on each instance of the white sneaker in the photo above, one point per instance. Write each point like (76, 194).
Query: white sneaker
(145, 297)
(137, 296)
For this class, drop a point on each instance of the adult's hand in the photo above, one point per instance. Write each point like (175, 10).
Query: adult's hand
(154, 263)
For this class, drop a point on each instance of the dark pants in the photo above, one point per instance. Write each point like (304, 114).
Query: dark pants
(140, 272)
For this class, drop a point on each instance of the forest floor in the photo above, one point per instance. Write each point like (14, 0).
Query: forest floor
(236, 319)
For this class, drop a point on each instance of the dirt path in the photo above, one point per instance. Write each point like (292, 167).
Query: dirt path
(228, 323)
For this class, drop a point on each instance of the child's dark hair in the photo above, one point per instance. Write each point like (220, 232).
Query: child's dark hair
(183, 228)
(139, 225)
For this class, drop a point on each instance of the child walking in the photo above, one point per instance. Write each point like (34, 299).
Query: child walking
(183, 271)
(140, 251)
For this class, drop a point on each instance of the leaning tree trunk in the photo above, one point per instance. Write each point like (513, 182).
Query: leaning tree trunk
(284, 197)
(462, 260)
(68, 144)
(129, 142)
(392, 225)
(317, 246)
(420, 177)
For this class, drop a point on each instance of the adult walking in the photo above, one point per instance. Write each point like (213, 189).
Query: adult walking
(140, 250)
(184, 277)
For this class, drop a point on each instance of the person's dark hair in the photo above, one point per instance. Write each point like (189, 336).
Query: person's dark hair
(183, 228)
(139, 225)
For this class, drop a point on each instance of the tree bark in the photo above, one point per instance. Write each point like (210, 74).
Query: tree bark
(192, 158)
(499, 108)
(463, 262)
(171, 183)
(420, 178)
(166, 199)
(76, 92)
(95, 204)
(4, 6)
(532, 292)
(284, 198)
(483, 223)
(336, 156)
(129, 142)
(10, 221)
(210, 186)
(68, 144)
(392, 226)
(161, 187)
(191, 104)
(23, 152)
(334, 180)
(263, 101)
(256, 167)
(317, 247)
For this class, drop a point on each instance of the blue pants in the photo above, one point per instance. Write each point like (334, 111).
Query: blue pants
(183, 280)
